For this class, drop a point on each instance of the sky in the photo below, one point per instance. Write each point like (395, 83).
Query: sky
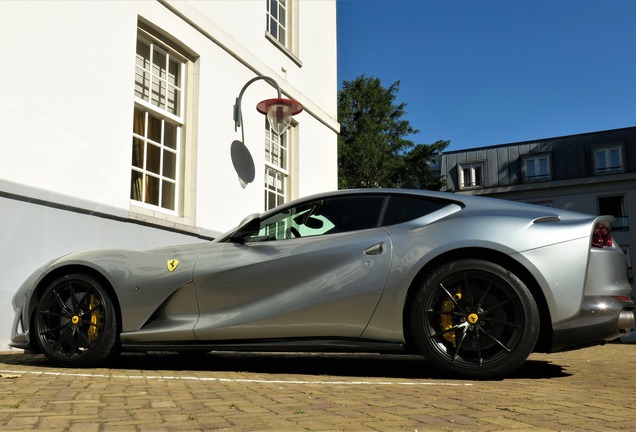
(482, 73)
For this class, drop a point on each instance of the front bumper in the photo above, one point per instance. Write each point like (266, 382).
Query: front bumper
(601, 319)
(19, 337)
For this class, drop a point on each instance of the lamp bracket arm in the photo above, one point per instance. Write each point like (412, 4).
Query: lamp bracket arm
(237, 114)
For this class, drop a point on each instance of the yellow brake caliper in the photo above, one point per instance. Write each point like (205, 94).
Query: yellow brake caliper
(96, 320)
(446, 321)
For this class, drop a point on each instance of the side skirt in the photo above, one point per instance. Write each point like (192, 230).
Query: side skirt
(295, 345)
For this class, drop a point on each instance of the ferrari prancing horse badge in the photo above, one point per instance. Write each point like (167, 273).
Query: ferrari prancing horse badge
(172, 264)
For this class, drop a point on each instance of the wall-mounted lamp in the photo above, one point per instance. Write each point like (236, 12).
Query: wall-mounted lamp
(279, 111)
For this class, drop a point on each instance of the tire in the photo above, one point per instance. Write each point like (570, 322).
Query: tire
(475, 319)
(75, 322)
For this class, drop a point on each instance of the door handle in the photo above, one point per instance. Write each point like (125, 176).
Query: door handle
(376, 249)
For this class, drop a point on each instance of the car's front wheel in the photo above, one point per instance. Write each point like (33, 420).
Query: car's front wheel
(75, 322)
(474, 318)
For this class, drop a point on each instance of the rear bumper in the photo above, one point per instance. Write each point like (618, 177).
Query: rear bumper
(602, 319)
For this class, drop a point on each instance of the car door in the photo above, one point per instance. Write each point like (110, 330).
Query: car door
(313, 270)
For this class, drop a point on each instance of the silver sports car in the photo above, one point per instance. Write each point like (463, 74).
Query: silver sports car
(473, 284)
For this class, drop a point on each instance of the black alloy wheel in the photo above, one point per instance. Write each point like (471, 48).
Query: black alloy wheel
(475, 319)
(75, 323)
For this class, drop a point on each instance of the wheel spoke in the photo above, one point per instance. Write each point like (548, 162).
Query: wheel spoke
(85, 300)
(502, 322)
(96, 307)
(54, 329)
(461, 342)
(450, 296)
(72, 297)
(468, 290)
(85, 340)
(60, 339)
(55, 314)
(61, 303)
(497, 306)
(446, 313)
(88, 323)
(488, 288)
(480, 359)
(73, 342)
(497, 341)
(448, 330)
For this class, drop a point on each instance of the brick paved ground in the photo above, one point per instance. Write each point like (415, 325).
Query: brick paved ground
(586, 390)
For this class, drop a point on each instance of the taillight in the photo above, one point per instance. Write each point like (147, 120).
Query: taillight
(601, 237)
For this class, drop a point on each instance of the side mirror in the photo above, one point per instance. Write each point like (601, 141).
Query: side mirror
(249, 225)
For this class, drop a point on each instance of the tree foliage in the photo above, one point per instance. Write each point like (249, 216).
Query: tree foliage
(373, 149)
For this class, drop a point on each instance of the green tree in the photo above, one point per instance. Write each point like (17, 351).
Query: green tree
(373, 149)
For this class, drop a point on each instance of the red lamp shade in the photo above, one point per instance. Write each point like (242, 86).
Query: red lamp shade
(279, 112)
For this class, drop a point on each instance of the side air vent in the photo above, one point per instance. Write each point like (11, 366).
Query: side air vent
(545, 219)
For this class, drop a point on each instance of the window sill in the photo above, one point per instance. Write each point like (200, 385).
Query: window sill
(608, 172)
(152, 217)
(284, 49)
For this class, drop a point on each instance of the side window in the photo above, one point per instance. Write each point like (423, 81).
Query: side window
(402, 208)
(328, 216)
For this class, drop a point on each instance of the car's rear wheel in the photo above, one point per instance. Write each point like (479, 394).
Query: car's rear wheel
(474, 318)
(75, 322)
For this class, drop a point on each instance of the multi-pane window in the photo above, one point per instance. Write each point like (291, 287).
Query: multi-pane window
(471, 175)
(277, 20)
(608, 160)
(276, 167)
(537, 168)
(158, 124)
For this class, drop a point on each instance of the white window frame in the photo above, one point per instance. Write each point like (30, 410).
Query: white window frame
(278, 18)
(277, 167)
(146, 103)
(534, 161)
(471, 169)
(283, 33)
(607, 155)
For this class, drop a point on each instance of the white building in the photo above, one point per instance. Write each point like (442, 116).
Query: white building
(117, 128)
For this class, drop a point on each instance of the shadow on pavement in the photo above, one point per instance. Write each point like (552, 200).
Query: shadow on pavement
(322, 364)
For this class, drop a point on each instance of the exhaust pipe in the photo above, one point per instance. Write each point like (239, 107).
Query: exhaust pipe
(626, 320)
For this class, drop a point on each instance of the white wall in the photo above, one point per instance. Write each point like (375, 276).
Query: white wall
(65, 78)
(67, 98)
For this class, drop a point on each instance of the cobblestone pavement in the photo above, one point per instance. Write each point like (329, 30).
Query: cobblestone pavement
(586, 390)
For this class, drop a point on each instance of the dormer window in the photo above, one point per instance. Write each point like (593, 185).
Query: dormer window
(471, 175)
(537, 168)
(608, 160)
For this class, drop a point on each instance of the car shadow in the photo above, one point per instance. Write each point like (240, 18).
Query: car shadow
(313, 364)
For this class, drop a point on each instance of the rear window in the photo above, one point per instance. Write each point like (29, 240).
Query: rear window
(403, 208)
